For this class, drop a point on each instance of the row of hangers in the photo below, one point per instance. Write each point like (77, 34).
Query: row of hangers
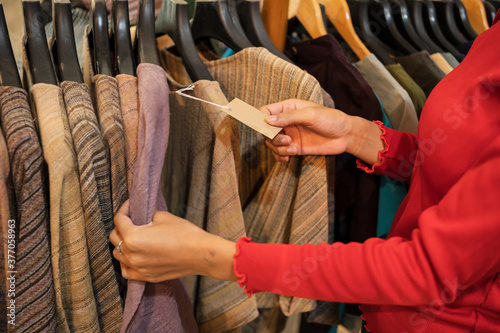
(402, 27)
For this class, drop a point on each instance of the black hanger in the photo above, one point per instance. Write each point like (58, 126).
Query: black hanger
(63, 43)
(401, 15)
(251, 20)
(446, 21)
(120, 33)
(232, 7)
(35, 41)
(9, 76)
(99, 38)
(416, 11)
(361, 22)
(212, 20)
(429, 14)
(463, 21)
(145, 40)
(174, 21)
(380, 11)
(491, 11)
(496, 4)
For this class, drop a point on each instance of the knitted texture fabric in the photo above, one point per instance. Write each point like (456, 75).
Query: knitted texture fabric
(95, 191)
(35, 301)
(75, 303)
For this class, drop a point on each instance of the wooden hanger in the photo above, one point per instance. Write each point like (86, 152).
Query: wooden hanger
(491, 11)
(35, 40)
(446, 21)
(275, 19)
(63, 43)
(212, 20)
(123, 51)
(9, 76)
(463, 20)
(174, 21)
(309, 15)
(251, 20)
(145, 41)
(477, 15)
(339, 15)
(99, 38)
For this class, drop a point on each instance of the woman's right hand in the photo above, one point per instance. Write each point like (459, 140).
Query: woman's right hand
(313, 129)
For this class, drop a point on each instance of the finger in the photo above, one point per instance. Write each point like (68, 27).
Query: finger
(284, 106)
(303, 116)
(281, 158)
(282, 150)
(122, 258)
(281, 140)
(115, 237)
(122, 221)
(131, 274)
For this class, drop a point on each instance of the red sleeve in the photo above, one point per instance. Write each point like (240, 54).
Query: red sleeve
(455, 245)
(396, 160)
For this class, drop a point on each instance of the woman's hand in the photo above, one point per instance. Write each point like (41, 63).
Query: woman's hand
(313, 129)
(169, 247)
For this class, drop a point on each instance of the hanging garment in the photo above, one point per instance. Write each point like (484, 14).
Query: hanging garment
(75, 302)
(416, 93)
(95, 191)
(356, 193)
(450, 59)
(441, 62)
(153, 307)
(4, 222)
(278, 198)
(438, 268)
(423, 70)
(200, 183)
(113, 134)
(129, 107)
(396, 101)
(35, 302)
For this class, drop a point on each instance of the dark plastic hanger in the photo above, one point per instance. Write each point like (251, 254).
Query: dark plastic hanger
(232, 7)
(251, 20)
(99, 38)
(496, 4)
(403, 21)
(9, 76)
(380, 11)
(35, 41)
(123, 51)
(446, 21)
(174, 21)
(212, 20)
(361, 22)
(63, 43)
(432, 26)
(491, 11)
(463, 20)
(416, 11)
(145, 41)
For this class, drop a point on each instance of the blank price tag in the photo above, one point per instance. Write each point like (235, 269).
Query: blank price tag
(251, 117)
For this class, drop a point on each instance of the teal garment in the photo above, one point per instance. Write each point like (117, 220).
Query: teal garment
(391, 194)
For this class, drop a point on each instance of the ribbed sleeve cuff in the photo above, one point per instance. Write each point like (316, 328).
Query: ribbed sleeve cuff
(381, 154)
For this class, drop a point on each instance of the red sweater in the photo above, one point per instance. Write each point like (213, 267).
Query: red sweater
(438, 271)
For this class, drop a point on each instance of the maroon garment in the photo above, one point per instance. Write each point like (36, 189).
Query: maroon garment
(153, 307)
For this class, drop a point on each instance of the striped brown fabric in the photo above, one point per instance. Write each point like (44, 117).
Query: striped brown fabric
(283, 202)
(35, 303)
(95, 191)
(75, 303)
(113, 134)
(4, 220)
(200, 183)
(129, 106)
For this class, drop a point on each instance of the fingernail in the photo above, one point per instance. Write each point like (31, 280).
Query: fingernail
(271, 118)
(291, 150)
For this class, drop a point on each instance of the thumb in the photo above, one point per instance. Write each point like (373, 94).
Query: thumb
(291, 118)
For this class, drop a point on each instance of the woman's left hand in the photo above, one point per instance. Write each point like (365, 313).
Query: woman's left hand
(169, 247)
